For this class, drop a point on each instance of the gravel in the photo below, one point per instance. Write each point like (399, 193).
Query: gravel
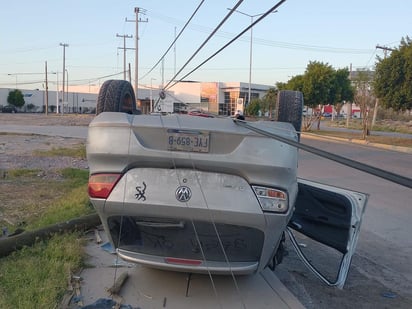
(18, 151)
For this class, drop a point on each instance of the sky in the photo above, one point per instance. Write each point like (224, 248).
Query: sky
(339, 33)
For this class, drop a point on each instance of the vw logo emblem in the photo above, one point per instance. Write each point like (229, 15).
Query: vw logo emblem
(183, 194)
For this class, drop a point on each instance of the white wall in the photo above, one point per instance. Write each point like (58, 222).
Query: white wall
(188, 92)
(75, 100)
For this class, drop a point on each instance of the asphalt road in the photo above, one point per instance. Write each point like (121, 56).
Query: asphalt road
(381, 272)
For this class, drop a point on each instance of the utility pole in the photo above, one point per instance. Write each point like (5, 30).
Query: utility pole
(46, 103)
(349, 106)
(64, 69)
(125, 36)
(138, 20)
(375, 110)
(57, 92)
(385, 49)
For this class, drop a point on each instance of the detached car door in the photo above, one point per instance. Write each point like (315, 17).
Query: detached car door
(331, 216)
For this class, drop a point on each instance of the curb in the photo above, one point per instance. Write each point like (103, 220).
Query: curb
(357, 141)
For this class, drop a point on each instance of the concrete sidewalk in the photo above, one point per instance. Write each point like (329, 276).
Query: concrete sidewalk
(356, 141)
(151, 288)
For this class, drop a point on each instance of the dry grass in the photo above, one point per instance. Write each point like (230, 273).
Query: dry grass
(30, 201)
(379, 139)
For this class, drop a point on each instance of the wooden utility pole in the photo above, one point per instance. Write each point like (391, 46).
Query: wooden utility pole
(385, 49)
(125, 36)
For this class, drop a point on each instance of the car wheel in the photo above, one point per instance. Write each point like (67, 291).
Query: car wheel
(116, 96)
(289, 108)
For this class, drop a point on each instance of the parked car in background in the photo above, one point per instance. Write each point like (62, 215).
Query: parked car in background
(9, 109)
(200, 113)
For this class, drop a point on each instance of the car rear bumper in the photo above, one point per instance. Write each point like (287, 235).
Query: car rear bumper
(213, 267)
(221, 229)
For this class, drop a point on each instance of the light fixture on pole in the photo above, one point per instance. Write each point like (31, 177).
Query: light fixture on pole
(23, 74)
(250, 49)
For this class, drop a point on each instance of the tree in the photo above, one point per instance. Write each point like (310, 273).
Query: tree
(317, 84)
(342, 89)
(269, 100)
(393, 78)
(15, 98)
(321, 84)
(253, 108)
(364, 98)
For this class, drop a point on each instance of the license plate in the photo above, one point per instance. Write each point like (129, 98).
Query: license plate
(186, 140)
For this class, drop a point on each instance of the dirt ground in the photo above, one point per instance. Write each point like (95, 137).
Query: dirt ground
(363, 289)
(16, 150)
(45, 120)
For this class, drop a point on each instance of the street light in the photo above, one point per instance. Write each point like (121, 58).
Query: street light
(23, 74)
(250, 47)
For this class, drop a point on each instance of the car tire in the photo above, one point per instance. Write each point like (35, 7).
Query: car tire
(116, 96)
(289, 107)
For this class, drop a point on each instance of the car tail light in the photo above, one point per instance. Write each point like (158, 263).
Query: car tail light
(271, 200)
(180, 261)
(100, 185)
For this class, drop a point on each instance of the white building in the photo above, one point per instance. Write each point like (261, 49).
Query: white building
(35, 101)
(218, 97)
(215, 97)
(74, 102)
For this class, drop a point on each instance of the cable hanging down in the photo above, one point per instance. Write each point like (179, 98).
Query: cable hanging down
(205, 41)
(162, 93)
(174, 41)
(226, 45)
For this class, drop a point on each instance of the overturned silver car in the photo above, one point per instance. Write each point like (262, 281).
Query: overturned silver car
(209, 195)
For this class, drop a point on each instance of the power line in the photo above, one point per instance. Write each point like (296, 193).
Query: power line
(174, 41)
(231, 41)
(207, 39)
(124, 36)
(266, 42)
